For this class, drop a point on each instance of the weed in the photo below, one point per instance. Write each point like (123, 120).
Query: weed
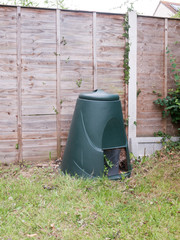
(126, 121)
(138, 92)
(123, 176)
(67, 60)
(167, 143)
(55, 110)
(79, 82)
(63, 41)
(138, 161)
(135, 123)
(57, 54)
(49, 156)
(157, 93)
(108, 164)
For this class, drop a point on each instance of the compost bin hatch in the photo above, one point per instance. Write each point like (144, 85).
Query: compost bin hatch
(97, 130)
(115, 161)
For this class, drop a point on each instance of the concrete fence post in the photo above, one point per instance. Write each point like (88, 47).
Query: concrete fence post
(132, 90)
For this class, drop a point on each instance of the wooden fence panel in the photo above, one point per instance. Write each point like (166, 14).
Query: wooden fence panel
(8, 86)
(110, 51)
(150, 74)
(38, 49)
(76, 63)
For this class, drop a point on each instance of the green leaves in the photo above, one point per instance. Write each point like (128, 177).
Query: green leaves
(138, 92)
(176, 76)
(135, 123)
(55, 110)
(126, 27)
(79, 82)
(167, 143)
(171, 103)
(108, 164)
(49, 156)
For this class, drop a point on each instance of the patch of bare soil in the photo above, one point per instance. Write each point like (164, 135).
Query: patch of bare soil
(27, 170)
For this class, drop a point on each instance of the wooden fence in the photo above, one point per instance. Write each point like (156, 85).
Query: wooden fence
(47, 57)
(154, 71)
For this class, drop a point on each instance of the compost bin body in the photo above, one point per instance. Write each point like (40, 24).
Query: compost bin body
(97, 125)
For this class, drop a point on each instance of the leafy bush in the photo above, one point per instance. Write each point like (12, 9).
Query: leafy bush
(171, 103)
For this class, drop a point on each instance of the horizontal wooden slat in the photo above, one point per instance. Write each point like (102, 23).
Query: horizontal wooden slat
(35, 150)
(39, 123)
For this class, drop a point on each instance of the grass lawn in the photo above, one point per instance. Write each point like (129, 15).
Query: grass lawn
(38, 203)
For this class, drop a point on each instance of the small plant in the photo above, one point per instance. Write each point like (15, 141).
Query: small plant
(56, 54)
(123, 176)
(22, 163)
(167, 143)
(49, 156)
(144, 159)
(63, 41)
(135, 123)
(67, 60)
(108, 164)
(79, 82)
(138, 92)
(126, 121)
(55, 110)
(138, 161)
(17, 146)
(157, 93)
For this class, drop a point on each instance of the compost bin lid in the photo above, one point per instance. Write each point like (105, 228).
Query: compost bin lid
(99, 95)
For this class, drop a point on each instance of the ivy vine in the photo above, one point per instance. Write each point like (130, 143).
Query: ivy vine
(126, 27)
(127, 48)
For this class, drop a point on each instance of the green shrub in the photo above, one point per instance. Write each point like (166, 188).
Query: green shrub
(171, 103)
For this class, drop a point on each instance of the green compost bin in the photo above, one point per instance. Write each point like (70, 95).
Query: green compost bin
(97, 142)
